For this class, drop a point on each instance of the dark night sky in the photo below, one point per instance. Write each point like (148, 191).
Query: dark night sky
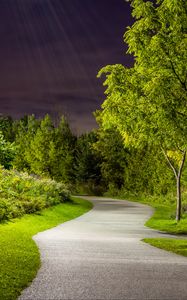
(51, 51)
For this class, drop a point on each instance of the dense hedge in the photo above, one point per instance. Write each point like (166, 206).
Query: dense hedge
(23, 194)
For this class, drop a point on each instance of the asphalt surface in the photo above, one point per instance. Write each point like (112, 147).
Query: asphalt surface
(100, 256)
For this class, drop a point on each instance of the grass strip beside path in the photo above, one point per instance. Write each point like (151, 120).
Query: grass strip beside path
(19, 255)
(163, 219)
(176, 246)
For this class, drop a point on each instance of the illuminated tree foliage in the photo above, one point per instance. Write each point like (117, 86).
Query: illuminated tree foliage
(62, 153)
(44, 149)
(7, 152)
(148, 102)
(38, 154)
(24, 131)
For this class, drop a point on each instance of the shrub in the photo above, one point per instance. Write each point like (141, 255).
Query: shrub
(23, 194)
(5, 210)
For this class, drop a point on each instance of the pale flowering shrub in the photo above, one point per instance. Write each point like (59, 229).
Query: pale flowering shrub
(21, 194)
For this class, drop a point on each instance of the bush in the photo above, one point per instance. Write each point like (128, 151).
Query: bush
(89, 188)
(5, 210)
(23, 194)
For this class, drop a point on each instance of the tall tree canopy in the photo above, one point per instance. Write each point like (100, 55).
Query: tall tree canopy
(24, 131)
(45, 149)
(148, 102)
(61, 152)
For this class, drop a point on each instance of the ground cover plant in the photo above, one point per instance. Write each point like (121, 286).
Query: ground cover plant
(22, 194)
(19, 255)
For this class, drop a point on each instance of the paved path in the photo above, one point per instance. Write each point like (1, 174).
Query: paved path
(100, 256)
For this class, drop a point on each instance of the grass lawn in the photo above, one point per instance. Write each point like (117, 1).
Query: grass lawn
(19, 255)
(176, 246)
(163, 219)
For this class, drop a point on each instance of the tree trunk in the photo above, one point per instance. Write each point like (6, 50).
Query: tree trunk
(177, 174)
(178, 208)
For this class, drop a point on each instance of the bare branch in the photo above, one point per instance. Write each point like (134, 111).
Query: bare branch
(182, 163)
(181, 151)
(170, 163)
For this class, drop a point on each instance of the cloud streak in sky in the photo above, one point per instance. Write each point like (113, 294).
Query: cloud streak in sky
(51, 51)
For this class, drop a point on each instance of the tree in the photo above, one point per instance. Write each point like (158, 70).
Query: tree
(38, 151)
(148, 102)
(7, 152)
(6, 127)
(88, 162)
(130, 169)
(61, 153)
(113, 157)
(24, 131)
(44, 149)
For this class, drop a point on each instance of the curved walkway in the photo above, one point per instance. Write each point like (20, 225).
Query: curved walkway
(100, 256)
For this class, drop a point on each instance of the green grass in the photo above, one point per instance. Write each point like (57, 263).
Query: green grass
(163, 219)
(22, 194)
(19, 255)
(176, 246)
